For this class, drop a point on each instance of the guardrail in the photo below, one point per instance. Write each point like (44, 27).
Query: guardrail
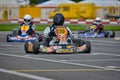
(68, 21)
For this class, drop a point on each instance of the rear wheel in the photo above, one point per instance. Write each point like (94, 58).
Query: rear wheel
(112, 35)
(36, 47)
(88, 44)
(79, 42)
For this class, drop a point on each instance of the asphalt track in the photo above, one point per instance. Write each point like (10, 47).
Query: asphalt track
(103, 63)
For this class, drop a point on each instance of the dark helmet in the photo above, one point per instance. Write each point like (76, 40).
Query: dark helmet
(58, 19)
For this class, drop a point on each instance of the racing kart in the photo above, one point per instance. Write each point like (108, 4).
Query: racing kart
(91, 33)
(23, 36)
(62, 43)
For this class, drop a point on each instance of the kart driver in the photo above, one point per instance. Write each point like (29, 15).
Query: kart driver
(98, 24)
(28, 21)
(96, 27)
(58, 20)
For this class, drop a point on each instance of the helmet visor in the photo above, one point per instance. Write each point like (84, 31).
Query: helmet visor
(98, 21)
(27, 20)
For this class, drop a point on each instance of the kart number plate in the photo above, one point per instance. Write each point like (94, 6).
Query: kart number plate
(64, 50)
(24, 28)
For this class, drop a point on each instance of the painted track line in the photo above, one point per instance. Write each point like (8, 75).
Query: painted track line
(24, 74)
(95, 60)
(104, 44)
(103, 41)
(60, 62)
(109, 54)
(62, 70)
(57, 55)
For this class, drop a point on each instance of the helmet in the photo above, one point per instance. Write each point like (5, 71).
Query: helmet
(98, 20)
(27, 19)
(58, 19)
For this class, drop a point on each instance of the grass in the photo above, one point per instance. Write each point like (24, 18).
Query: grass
(39, 27)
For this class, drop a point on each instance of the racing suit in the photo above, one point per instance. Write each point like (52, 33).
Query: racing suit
(99, 28)
(49, 34)
(31, 30)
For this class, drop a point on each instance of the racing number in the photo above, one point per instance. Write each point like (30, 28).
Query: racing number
(25, 28)
(61, 31)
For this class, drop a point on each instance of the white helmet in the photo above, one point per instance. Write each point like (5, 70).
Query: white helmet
(98, 20)
(27, 19)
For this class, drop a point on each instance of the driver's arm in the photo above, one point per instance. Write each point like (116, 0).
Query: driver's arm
(33, 27)
(70, 32)
(46, 32)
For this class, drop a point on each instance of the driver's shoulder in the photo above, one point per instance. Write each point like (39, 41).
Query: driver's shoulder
(22, 24)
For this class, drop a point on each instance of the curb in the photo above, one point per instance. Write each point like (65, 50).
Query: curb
(69, 21)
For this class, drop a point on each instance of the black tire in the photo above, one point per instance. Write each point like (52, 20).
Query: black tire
(88, 50)
(26, 47)
(106, 34)
(112, 35)
(8, 37)
(36, 47)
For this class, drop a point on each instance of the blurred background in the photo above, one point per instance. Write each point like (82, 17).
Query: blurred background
(71, 9)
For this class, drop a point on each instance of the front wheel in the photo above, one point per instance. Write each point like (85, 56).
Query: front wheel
(28, 47)
(36, 47)
(106, 34)
(15, 32)
(8, 37)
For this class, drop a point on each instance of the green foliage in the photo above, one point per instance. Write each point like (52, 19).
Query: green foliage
(10, 27)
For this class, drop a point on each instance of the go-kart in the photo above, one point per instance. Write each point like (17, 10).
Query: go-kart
(62, 43)
(91, 33)
(23, 36)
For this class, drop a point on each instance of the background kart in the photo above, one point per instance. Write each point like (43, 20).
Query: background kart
(91, 32)
(106, 34)
(23, 37)
(61, 45)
